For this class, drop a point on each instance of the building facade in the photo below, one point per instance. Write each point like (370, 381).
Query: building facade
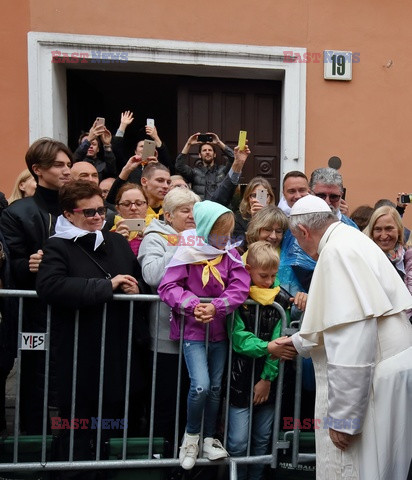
(223, 67)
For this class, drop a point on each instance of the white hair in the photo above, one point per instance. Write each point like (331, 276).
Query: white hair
(312, 221)
(177, 198)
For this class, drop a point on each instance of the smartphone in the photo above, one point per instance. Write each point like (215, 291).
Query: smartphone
(406, 198)
(262, 196)
(203, 137)
(100, 121)
(150, 122)
(242, 139)
(149, 148)
(135, 224)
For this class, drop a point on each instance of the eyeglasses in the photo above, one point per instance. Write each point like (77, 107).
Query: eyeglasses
(128, 203)
(333, 197)
(91, 212)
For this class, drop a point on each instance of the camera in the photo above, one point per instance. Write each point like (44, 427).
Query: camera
(406, 198)
(204, 137)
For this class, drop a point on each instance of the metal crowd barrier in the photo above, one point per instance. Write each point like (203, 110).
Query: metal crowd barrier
(47, 464)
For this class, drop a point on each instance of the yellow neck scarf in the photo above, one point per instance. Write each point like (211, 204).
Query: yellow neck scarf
(210, 267)
(151, 214)
(264, 296)
(172, 238)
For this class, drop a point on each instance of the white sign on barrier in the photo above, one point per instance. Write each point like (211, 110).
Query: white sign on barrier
(33, 341)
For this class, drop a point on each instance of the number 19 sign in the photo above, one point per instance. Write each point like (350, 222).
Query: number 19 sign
(337, 65)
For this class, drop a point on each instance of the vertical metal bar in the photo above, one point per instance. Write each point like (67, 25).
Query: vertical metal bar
(297, 404)
(154, 377)
(233, 470)
(179, 382)
(229, 378)
(18, 380)
(74, 382)
(252, 385)
(101, 378)
(296, 411)
(46, 385)
(203, 414)
(279, 388)
(127, 389)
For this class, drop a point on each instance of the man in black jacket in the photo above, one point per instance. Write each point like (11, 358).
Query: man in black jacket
(26, 225)
(208, 176)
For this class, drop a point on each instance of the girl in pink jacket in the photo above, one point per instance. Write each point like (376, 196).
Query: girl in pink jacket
(204, 266)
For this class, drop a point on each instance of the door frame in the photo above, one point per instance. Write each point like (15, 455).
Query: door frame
(47, 80)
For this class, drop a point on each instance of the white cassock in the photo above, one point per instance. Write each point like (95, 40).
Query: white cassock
(356, 331)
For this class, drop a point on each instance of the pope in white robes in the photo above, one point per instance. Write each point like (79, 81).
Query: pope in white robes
(357, 333)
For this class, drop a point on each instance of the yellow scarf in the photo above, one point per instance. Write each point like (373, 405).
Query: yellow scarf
(151, 214)
(172, 238)
(264, 296)
(210, 267)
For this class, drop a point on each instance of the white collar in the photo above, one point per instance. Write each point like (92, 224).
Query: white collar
(65, 229)
(283, 205)
(327, 234)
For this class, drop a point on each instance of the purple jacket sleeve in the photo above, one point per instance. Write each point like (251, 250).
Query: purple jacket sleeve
(237, 291)
(171, 290)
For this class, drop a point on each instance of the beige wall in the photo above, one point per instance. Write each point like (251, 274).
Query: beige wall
(365, 122)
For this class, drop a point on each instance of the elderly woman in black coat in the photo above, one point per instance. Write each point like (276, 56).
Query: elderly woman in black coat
(81, 270)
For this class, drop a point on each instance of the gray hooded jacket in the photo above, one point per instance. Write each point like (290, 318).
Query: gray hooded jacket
(154, 254)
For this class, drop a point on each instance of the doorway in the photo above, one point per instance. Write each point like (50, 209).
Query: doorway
(181, 105)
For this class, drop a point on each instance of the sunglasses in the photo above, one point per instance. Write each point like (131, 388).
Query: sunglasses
(128, 203)
(333, 197)
(91, 212)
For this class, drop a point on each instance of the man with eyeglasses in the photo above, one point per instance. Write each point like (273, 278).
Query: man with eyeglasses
(26, 226)
(327, 184)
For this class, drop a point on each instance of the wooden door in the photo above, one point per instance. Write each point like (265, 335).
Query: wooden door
(225, 106)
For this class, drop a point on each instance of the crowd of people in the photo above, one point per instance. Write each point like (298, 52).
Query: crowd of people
(82, 227)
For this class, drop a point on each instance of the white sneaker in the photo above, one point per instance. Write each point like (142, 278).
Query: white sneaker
(213, 449)
(189, 451)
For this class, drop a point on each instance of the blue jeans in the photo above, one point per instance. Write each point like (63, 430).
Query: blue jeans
(238, 429)
(205, 372)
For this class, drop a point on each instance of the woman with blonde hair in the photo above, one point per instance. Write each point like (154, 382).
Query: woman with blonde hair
(386, 230)
(269, 224)
(25, 186)
(249, 205)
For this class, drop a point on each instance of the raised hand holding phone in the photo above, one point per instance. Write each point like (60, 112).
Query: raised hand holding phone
(242, 139)
(149, 148)
(262, 196)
